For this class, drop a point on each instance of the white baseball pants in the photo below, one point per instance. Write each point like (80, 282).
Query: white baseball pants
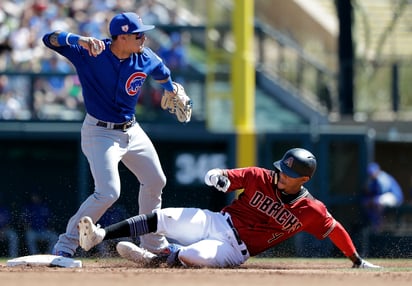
(207, 237)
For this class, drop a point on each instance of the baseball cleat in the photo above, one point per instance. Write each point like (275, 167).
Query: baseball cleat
(170, 255)
(168, 250)
(63, 254)
(366, 264)
(132, 252)
(89, 234)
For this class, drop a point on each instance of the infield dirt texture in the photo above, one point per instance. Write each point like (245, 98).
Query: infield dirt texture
(289, 272)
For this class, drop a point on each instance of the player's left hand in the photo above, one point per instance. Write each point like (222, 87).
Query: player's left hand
(365, 264)
(178, 103)
(216, 179)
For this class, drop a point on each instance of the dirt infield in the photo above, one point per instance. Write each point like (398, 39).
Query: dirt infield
(291, 272)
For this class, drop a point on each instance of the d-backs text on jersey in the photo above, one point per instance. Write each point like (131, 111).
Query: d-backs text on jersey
(276, 210)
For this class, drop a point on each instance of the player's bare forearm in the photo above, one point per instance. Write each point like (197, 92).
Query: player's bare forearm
(92, 45)
(55, 41)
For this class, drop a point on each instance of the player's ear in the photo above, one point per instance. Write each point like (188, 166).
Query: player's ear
(122, 37)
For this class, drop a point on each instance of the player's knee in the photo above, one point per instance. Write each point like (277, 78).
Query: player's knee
(186, 259)
(112, 197)
(161, 182)
(155, 185)
(108, 197)
(193, 258)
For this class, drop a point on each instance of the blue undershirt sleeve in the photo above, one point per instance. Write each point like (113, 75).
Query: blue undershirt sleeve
(168, 85)
(66, 39)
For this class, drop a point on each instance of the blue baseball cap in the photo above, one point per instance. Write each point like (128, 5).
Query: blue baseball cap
(128, 23)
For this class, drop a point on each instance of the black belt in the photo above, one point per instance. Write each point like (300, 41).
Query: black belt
(121, 126)
(236, 234)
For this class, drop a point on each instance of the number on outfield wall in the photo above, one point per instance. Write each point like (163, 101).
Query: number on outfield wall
(191, 168)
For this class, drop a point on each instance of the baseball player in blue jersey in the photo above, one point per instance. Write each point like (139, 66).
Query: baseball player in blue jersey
(112, 72)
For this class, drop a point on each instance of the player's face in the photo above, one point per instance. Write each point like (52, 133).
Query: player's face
(136, 42)
(290, 185)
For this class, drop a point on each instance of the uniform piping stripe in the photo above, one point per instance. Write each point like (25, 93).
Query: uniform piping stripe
(67, 38)
(330, 229)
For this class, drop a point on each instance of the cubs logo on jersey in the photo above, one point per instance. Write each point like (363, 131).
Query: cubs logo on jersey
(134, 83)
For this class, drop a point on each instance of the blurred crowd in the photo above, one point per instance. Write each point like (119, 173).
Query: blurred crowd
(26, 230)
(24, 22)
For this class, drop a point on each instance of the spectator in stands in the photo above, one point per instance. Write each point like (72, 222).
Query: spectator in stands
(9, 22)
(34, 19)
(52, 93)
(22, 24)
(153, 12)
(5, 47)
(174, 55)
(13, 98)
(8, 236)
(36, 215)
(9, 106)
(382, 191)
(176, 17)
(174, 52)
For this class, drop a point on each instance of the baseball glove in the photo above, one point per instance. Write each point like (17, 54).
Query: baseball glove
(178, 103)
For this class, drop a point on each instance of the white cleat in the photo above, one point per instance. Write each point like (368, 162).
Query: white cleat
(89, 234)
(366, 264)
(132, 252)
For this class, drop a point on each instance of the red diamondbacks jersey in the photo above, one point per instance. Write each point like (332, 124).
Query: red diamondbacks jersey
(264, 218)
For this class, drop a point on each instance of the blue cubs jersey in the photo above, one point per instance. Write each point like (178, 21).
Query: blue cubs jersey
(111, 87)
